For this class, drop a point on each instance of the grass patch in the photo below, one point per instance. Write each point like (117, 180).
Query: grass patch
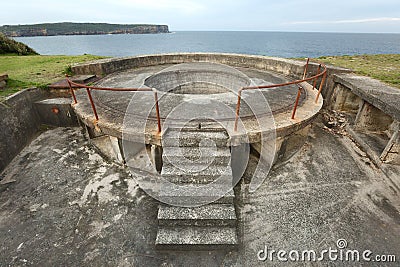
(385, 68)
(36, 71)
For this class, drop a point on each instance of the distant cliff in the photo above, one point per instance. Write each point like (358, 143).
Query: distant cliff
(9, 46)
(69, 28)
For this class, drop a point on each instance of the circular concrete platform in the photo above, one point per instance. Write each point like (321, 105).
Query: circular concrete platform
(197, 79)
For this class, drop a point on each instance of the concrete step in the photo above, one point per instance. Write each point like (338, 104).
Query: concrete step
(212, 225)
(196, 238)
(194, 174)
(188, 194)
(207, 215)
(193, 139)
(205, 155)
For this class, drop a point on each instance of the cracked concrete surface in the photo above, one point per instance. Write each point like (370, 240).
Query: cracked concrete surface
(70, 207)
(328, 191)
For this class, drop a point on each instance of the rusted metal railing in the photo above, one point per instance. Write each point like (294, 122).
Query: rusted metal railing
(314, 78)
(296, 103)
(321, 72)
(73, 86)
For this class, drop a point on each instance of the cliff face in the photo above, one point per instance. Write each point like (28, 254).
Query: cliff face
(68, 28)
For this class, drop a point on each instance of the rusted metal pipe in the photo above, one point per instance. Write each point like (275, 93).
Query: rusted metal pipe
(92, 103)
(72, 91)
(306, 68)
(321, 86)
(296, 104)
(316, 79)
(284, 84)
(157, 112)
(111, 89)
(238, 109)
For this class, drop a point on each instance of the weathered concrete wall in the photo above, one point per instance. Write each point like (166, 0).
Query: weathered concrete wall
(108, 66)
(19, 123)
(375, 109)
(23, 113)
(344, 100)
(57, 112)
(380, 95)
(166, 80)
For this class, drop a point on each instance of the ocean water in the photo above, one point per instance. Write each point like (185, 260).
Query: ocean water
(280, 44)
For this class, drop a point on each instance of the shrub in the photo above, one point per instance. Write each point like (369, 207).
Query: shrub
(10, 46)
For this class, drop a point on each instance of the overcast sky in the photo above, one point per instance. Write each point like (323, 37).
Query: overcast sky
(380, 16)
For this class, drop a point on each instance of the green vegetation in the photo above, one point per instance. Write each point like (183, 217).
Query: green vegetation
(381, 67)
(9, 46)
(70, 28)
(39, 71)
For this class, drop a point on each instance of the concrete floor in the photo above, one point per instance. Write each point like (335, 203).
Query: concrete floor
(68, 206)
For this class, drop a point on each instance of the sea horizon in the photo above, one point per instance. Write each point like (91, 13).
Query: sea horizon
(271, 43)
(261, 31)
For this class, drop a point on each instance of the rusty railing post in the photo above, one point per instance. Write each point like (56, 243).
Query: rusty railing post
(71, 90)
(238, 109)
(157, 111)
(321, 86)
(306, 68)
(296, 104)
(316, 78)
(92, 103)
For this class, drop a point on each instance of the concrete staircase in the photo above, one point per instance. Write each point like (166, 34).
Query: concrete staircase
(210, 226)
